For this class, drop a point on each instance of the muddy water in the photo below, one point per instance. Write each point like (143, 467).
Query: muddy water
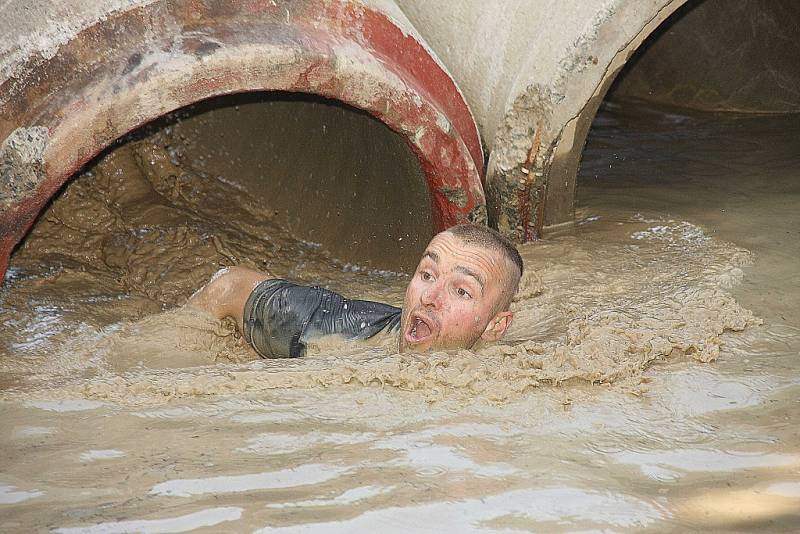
(649, 381)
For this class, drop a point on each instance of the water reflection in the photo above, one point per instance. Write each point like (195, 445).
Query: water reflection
(13, 495)
(184, 523)
(303, 475)
(583, 510)
(669, 465)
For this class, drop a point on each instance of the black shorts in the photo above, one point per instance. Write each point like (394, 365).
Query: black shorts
(279, 317)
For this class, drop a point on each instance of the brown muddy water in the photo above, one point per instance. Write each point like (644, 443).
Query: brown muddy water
(650, 380)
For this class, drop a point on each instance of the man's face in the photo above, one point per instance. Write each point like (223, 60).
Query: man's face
(451, 300)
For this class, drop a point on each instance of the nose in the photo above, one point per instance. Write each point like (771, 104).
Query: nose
(433, 295)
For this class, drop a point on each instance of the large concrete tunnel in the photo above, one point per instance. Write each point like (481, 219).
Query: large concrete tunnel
(728, 67)
(535, 73)
(520, 80)
(70, 90)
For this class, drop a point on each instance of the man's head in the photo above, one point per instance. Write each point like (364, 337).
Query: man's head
(461, 290)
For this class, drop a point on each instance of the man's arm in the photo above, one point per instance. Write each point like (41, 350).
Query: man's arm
(227, 292)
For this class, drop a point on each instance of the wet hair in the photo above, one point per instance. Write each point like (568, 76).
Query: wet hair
(484, 237)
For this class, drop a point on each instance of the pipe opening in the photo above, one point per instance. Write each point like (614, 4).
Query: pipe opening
(697, 140)
(708, 66)
(282, 181)
(720, 55)
(137, 64)
(708, 56)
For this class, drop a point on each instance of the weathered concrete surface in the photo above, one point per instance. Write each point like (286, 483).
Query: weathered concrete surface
(721, 55)
(22, 163)
(88, 73)
(534, 73)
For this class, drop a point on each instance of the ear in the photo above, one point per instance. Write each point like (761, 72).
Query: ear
(497, 326)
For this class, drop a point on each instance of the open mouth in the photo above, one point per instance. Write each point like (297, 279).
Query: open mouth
(419, 329)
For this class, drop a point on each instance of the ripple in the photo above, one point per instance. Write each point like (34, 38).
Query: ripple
(783, 331)
(106, 454)
(351, 496)
(433, 459)
(183, 523)
(538, 506)
(785, 489)
(66, 405)
(281, 443)
(431, 471)
(607, 446)
(288, 478)
(671, 464)
(694, 392)
(31, 431)
(10, 494)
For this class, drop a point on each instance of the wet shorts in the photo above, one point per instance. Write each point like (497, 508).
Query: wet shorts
(279, 317)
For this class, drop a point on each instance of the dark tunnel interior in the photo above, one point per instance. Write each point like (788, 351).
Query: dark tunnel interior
(334, 175)
(329, 175)
(726, 55)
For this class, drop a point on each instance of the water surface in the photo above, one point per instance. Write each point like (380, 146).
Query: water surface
(650, 379)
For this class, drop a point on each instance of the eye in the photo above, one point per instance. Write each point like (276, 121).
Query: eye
(463, 293)
(425, 275)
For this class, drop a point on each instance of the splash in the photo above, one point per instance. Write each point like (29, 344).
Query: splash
(100, 282)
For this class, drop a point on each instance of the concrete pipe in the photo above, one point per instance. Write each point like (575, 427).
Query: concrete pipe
(76, 77)
(534, 73)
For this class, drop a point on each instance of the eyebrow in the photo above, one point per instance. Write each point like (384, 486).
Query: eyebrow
(473, 274)
(432, 255)
(460, 269)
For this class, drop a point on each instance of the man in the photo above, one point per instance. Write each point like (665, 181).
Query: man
(460, 294)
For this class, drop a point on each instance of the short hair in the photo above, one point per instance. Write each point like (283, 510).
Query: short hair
(485, 237)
